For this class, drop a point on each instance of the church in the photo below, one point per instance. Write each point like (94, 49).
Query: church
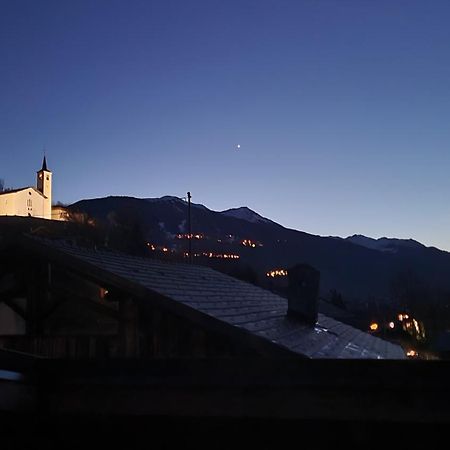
(30, 201)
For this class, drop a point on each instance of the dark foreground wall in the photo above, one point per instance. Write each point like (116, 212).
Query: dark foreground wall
(75, 432)
(223, 403)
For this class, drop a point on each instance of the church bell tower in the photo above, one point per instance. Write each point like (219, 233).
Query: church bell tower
(44, 186)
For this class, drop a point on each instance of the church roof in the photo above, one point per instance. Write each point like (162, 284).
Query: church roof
(13, 191)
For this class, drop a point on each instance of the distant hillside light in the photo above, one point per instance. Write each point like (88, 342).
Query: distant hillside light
(391, 325)
(277, 273)
(373, 326)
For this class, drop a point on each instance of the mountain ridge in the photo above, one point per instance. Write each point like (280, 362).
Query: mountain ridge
(353, 269)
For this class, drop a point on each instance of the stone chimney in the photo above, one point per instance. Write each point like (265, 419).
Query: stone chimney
(303, 292)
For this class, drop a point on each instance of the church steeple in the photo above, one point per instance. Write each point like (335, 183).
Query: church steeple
(44, 186)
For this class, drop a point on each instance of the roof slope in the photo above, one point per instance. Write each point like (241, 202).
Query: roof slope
(237, 304)
(13, 191)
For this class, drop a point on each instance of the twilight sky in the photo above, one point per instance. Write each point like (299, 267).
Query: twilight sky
(341, 108)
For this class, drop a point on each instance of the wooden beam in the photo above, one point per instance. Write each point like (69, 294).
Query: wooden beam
(16, 308)
(70, 295)
(35, 296)
(11, 294)
(49, 310)
(129, 328)
(7, 282)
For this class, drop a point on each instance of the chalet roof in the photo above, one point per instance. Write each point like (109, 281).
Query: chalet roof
(241, 310)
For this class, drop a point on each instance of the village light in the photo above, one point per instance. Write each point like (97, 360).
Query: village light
(277, 273)
(219, 255)
(250, 243)
(373, 326)
(391, 325)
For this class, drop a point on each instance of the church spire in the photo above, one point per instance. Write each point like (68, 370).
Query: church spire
(44, 186)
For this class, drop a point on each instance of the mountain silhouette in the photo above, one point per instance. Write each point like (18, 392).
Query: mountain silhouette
(358, 267)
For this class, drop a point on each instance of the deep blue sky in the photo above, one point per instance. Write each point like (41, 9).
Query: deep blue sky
(341, 108)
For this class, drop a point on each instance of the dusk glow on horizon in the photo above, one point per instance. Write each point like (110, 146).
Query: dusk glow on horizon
(329, 117)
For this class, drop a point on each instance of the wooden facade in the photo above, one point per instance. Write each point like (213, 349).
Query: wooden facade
(222, 403)
(68, 315)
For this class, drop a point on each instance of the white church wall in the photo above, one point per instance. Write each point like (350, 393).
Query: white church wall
(8, 204)
(27, 202)
(30, 201)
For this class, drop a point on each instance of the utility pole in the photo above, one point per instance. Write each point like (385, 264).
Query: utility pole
(189, 227)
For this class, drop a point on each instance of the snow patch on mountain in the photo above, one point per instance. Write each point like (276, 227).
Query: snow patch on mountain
(384, 244)
(166, 198)
(175, 200)
(246, 214)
